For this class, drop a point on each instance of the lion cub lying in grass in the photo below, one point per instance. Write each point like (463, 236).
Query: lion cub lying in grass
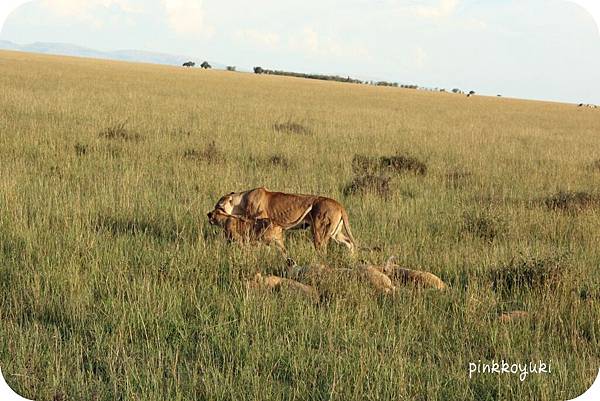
(246, 230)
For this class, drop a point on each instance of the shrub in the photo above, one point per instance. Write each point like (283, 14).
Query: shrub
(595, 165)
(375, 184)
(568, 201)
(539, 274)
(485, 226)
(210, 153)
(398, 163)
(81, 149)
(119, 131)
(278, 160)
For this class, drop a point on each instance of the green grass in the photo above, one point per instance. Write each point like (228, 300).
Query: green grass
(114, 286)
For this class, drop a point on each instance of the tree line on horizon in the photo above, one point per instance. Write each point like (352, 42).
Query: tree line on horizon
(323, 77)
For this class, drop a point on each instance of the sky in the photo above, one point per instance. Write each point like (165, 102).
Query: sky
(536, 49)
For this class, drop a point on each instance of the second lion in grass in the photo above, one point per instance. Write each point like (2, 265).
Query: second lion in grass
(246, 230)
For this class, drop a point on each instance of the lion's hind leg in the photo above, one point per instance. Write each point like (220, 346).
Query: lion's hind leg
(321, 229)
(340, 237)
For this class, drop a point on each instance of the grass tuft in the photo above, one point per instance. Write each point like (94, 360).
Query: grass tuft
(458, 179)
(536, 274)
(595, 165)
(119, 131)
(291, 127)
(279, 161)
(135, 226)
(369, 184)
(210, 154)
(81, 149)
(572, 202)
(486, 226)
(398, 163)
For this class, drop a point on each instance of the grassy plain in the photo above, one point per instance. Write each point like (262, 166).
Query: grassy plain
(114, 287)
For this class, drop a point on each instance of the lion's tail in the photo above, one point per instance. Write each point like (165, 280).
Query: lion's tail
(346, 221)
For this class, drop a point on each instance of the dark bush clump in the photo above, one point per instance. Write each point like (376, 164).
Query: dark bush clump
(396, 164)
(589, 292)
(279, 161)
(400, 163)
(595, 165)
(210, 154)
(529, 273)
(275, 160)
(485, 226)
(119, 131)
(567, 201)
(374, 184)
(81, 149)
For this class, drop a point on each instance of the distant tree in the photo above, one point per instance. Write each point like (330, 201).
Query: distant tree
(205, 65)
(258, 70)
(189, 64)
(456, 90)
(230, 68)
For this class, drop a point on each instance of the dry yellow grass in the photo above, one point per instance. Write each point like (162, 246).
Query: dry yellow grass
(114, 286)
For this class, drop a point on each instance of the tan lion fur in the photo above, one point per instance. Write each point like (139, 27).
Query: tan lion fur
(379, 280)
(508, 317)
(247, 230)
(278, 283)
(326, 217)
(417, 278)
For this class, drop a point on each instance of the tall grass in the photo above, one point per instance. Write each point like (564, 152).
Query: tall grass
(114, 286)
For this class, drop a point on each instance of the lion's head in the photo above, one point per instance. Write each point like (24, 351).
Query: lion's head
(231, 203)
(217, 217)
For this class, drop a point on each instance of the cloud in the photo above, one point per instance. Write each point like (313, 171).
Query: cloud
(7, 7)
(84, 9)
(420, 57)
(593, 7)
(310, 42)
(258, 38)
(443, 9)
(186, 17)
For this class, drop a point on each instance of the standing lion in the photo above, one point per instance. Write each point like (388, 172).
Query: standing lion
(326, 217)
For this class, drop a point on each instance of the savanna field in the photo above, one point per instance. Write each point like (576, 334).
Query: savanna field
(115, 287)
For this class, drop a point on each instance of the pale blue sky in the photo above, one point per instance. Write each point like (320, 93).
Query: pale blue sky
(541, 49)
